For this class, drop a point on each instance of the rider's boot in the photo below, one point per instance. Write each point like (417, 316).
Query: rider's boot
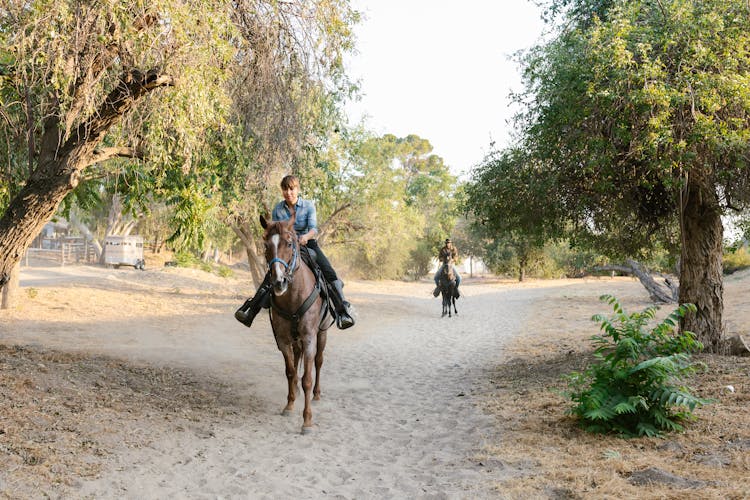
(436, 291)
(344, 317)
(262, 299)
(456, 293)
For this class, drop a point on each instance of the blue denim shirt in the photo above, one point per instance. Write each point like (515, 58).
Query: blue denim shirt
(306, 220)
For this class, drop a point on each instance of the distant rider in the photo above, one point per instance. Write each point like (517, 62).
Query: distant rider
(448, 253)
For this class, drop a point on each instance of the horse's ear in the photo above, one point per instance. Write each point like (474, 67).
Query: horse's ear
(263, 222)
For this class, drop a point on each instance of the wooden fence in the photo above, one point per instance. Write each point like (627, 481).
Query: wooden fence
(67, 253)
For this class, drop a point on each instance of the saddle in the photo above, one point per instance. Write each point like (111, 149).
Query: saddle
(309, 257)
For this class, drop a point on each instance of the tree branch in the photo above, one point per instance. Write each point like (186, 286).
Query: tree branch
(133, 85)
(104, 154)
(656, 292)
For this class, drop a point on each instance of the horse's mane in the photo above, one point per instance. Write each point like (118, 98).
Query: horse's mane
(447, 270)
(273, 228)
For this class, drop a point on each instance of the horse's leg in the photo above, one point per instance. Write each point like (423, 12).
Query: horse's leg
(319, 362)
(454, 306)
(297, 356)
(309, 351)
(290, 363)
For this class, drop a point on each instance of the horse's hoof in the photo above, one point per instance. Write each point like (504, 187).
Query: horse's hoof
(286, 412)
(306, 430)
(316, 398)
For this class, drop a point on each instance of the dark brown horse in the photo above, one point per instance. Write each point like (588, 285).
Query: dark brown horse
(447, 283)
(296, 313)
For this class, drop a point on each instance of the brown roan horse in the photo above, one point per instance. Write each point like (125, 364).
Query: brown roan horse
(295, 313)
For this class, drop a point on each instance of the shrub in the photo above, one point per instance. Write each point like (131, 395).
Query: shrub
(186, 259)
(224, 272)
(633, 388)
(736, 260)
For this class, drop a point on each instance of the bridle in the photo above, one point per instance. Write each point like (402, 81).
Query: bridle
(290, 266)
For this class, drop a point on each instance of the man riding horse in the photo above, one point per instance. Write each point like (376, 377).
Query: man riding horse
(305, 225)
(447, 255)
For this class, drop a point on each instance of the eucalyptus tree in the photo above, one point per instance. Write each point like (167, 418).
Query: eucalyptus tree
(377, 231)
(389, 201)
(430, 189)
(287, 90)
(640, 112)
(85, 82)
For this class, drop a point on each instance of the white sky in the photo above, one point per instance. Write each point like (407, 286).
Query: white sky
(441, 69)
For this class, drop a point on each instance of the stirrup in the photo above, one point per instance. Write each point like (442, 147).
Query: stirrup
(252, 306)
(345, 317)
(245, 316)
(344, 321)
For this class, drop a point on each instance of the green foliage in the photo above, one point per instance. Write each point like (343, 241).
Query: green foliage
(508, 196)
(190, 260)
(736, 260)
(633, 388)
(224, 272)
(572, 262)
(187, 259)
(626, 104)
(390, 203)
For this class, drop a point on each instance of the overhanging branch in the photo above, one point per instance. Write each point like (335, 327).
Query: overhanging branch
(667, 293)
(104, 154)
(133, 85)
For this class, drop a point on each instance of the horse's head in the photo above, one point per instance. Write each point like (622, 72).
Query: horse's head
(282, 252)
(447, 270)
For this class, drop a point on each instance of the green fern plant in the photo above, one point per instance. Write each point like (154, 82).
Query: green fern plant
(633, 388)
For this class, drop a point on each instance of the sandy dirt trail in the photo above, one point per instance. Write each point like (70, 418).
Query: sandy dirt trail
(398, 418)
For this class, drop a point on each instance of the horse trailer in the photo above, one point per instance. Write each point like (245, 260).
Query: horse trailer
(124, 251)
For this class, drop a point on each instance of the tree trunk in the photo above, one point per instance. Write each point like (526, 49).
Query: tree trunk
(521, 269)
(10, 290)
(248, 241)
(34, 206)
(700, 270)
(666, 294)
(86, 232)
(656, 292)
(60, 163)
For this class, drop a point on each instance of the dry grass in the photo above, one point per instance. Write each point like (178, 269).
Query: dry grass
(567, 462)
(63, 414)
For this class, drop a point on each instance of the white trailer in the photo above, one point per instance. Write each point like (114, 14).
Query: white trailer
(124, 251)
